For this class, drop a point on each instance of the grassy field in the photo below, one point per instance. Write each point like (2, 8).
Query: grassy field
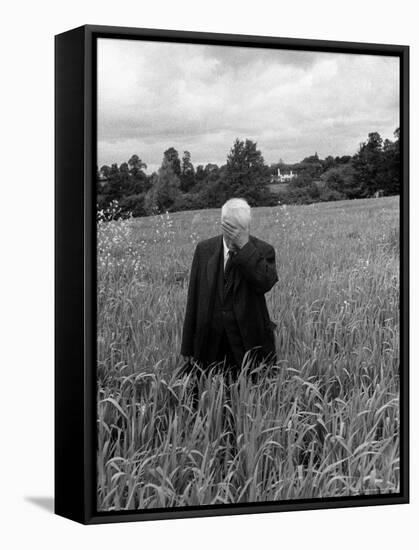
(323, 423)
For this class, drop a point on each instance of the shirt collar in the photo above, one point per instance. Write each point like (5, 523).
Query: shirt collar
(226, 249)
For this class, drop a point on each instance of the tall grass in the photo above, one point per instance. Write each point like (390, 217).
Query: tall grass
(323, 422)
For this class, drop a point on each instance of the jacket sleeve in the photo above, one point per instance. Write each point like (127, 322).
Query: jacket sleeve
(257, 268)
(189, 324)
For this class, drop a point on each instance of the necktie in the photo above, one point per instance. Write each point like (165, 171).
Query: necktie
(228, 272)
(227, 267)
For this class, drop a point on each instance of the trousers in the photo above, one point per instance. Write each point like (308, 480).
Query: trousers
(225, 354)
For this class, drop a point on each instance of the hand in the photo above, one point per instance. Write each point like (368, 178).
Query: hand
(237, 235)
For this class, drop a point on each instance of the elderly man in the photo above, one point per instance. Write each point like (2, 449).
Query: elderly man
(226, 314)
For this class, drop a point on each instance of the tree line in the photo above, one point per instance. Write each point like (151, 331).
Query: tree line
(127, 190)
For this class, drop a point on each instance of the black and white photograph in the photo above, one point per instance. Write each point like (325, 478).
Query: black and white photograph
(248, 275)
(208, 275)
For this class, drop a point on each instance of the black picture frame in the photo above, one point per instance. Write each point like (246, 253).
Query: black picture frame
(75, 249)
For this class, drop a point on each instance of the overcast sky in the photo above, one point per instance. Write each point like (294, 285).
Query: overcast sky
(155, 95)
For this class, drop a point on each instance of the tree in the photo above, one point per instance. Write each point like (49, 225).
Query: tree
(132, 205)
(246, 174)
(136, 165)
(302, 195)
(187, 178)
(112, 190)
(343, 160)
(312, 159)
(341, 179)
(312, 166)
(391, 161)
(139, 180)
(105, 171)
(303, 179)
(171, 156)
(164, 191)
(209, 189)
(210, 168)
(368, 165)
(328, 163)
(200, 174)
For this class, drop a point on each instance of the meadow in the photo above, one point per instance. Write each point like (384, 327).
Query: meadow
(323, 422)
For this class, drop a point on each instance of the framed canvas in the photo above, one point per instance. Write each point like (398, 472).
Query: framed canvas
(231, 274)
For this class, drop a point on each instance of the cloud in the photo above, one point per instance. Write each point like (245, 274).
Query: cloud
(154, 95)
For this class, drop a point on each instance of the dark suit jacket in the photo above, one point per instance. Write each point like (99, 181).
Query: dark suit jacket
(255, 275)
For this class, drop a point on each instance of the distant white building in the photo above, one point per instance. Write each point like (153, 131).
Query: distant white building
(282, 178)
(285, 178)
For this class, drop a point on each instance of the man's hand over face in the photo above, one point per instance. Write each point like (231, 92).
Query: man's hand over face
(235, 234)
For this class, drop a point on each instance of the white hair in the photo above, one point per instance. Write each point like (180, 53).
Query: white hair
(237, 209)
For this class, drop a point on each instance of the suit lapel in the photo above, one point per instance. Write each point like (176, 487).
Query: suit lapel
(237, 279)
(213, 264)
(238, 275)
(212, 268)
